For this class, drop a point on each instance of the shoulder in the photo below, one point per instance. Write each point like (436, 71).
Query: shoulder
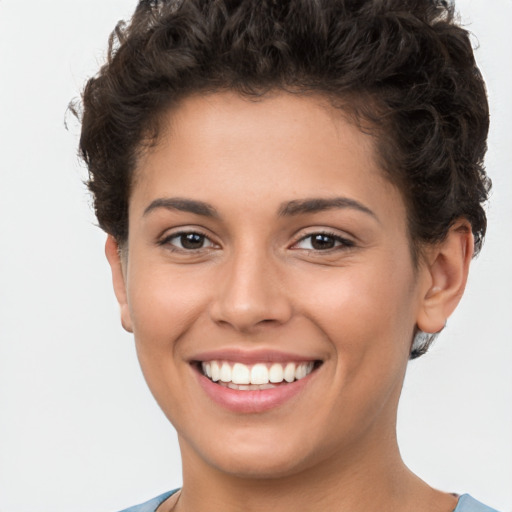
(151, 505)
(468, 504)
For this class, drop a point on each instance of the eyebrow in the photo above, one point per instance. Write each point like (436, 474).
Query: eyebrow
(290, 208)
(315, 205)
(183, 205)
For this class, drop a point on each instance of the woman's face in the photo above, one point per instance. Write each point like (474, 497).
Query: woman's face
(265, 246)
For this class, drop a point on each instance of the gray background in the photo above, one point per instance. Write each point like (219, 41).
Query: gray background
(78, 429)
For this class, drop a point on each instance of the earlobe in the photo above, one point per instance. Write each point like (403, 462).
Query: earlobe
(447, 267)
(118, 280)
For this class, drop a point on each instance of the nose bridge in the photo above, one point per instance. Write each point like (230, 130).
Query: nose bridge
(250, 291)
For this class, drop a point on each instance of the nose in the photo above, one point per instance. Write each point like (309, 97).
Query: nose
(251, 293)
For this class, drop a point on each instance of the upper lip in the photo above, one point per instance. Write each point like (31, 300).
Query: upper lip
(252, 356)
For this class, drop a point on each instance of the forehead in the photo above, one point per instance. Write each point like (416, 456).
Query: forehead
(272, 120)
(252, 153)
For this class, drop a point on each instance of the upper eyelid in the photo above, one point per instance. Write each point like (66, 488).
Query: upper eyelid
(298, 237)
(183, 230)
(320, 232)
(301, 235)
(342, 242)
(167, 237)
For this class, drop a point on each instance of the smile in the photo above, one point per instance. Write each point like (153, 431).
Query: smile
(259, 376)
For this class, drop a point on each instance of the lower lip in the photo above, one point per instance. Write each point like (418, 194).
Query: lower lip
(252, 401)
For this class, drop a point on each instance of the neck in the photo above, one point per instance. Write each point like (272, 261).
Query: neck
(354, 481)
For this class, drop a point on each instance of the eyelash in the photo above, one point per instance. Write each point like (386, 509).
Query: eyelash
(340, 243)
(167, 241)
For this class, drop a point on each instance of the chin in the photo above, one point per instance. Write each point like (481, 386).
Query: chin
(262, 455)
(260, 467)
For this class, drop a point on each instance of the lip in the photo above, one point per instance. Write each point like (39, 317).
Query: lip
(252, 402)
(252, 357)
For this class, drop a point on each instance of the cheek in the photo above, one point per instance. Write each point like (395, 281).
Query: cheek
(165, 307)
(368, 321)
(367, 314)
(365, 296)
(164, 304)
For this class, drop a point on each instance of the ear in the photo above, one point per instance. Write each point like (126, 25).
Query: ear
(118, 280)
(447, 267)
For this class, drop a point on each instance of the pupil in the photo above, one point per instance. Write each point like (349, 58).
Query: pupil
(192, 241)
(322, 242)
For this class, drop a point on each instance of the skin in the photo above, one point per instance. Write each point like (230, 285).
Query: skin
(258, 283)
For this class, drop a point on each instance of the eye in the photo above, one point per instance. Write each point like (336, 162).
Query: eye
(322, 242)
(188, 241)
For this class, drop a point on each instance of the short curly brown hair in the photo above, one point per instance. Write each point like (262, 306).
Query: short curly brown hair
(403, 67)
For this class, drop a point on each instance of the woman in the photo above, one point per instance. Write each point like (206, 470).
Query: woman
(292, 193)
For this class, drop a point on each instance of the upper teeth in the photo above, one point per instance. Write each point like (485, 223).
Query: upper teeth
(260, 373)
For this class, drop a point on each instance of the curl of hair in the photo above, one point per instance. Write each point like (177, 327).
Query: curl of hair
(405, 68)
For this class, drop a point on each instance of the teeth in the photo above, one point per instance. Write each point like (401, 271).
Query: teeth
(303, 370)
(248, 387)
(289, 372)
(276, 373)
(259, 376)
(215, 371)
(240, 374)
(225, 372)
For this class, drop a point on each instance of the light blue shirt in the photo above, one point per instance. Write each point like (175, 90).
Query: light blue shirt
(151, 505)
(466, 504)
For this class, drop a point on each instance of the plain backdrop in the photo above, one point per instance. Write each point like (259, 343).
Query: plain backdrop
(79, 431)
